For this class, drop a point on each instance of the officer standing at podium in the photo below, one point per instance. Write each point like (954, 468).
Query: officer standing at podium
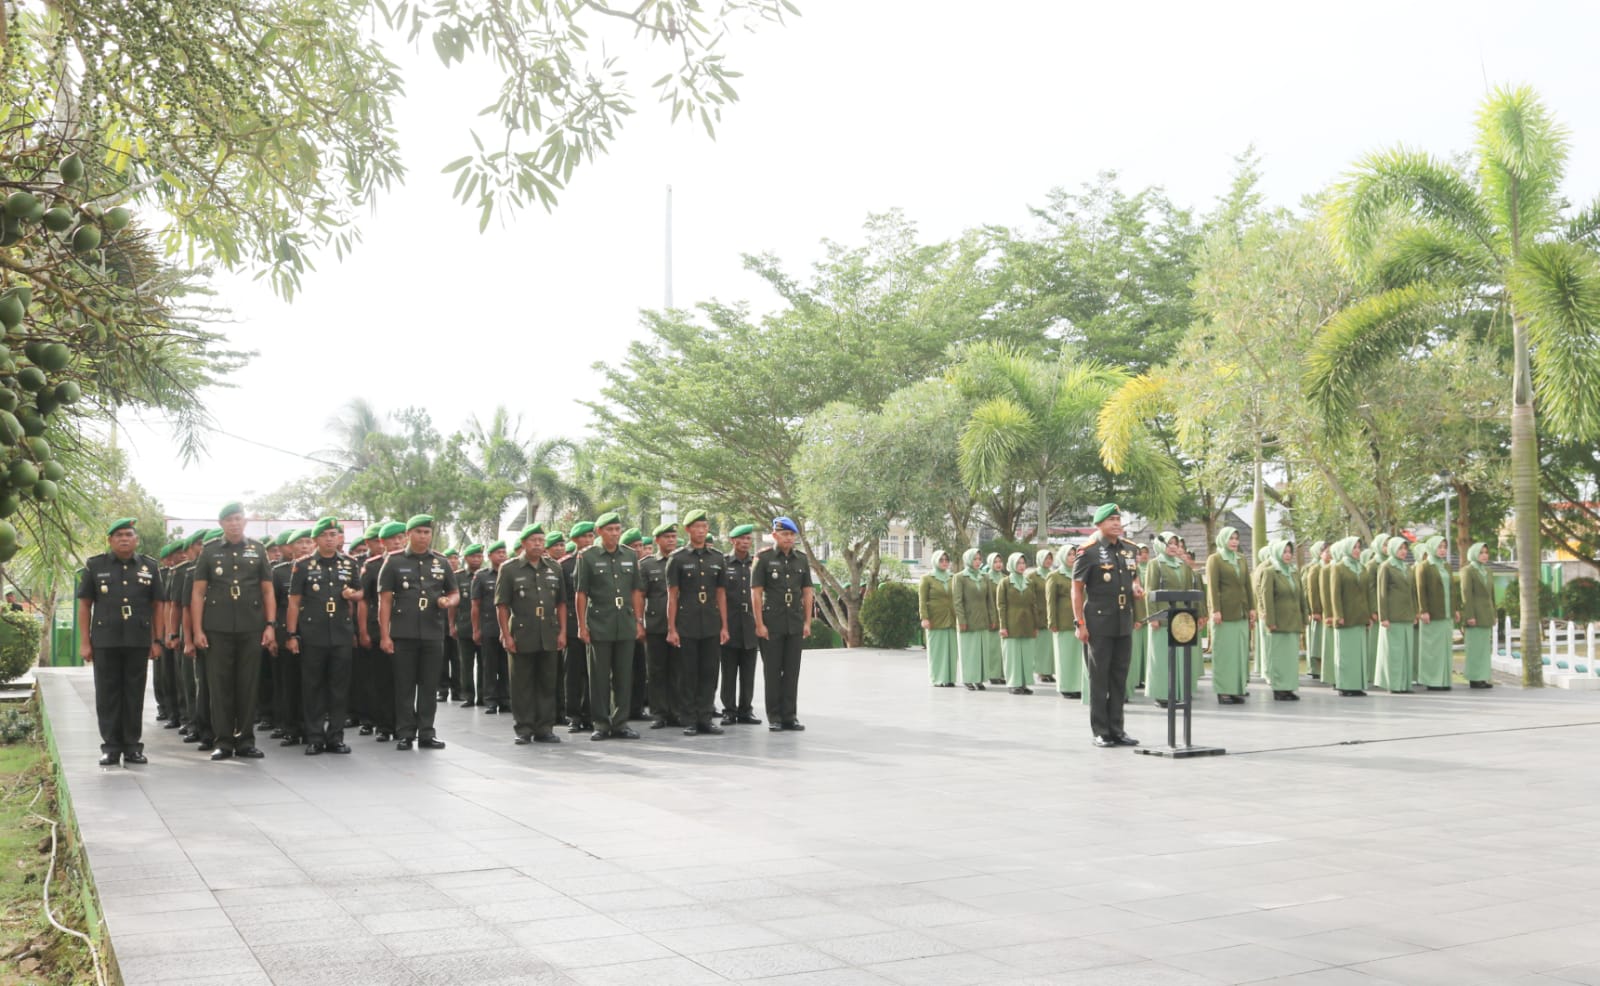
(1105, 583)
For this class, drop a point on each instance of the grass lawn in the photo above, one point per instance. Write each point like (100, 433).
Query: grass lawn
(32, 953)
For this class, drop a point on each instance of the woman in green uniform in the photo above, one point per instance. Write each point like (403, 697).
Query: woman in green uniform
(1043, 660)
(1259, 642)
(1435, 631)
(994, 656)
(1283, 613)
(936, 607)
(1371, 559)
(1014, 598)
(1311, 579)
(1138, 665)
(1066, 648)
(1351, 614)
(971, 601)
(1397, 619)
(1167, 571)
(1477, 614)
(1228, 596)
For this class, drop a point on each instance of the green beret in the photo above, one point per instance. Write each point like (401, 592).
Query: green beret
(119, 524)
(452, 553)
(302, 534)
(664, 529)
(332, 521)
(529, 531)
(497, 546)
(632, 536)
(1106, 510)
(607, 519)
(692, 516)
(743, 530)
(214, 534)
(371, 533)
(420, 520)
(390, 529)
(325, 524)
(583, 527)
(229, 509)
(472, 549)
(556, 537)
(281, 539)
(167, 549)
(190, 540)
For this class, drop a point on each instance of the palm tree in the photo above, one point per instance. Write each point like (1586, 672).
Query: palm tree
(355, 426)
(545, 479)
(1487, 249)
(512, 469)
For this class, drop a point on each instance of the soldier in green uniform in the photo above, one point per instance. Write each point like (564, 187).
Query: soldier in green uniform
(575, 661)
(415, 590)
(450, 677)
(169, 701)
(663, 675)
(1019, 626)
(288, 711)
(555, 551)
(1397, 620)
(1371, 559)
(697, 622)
(610, 597)
(1229, 599)
(470, 665)
(781, 595)
(1282, 607)
(234, 607)
(1477, 614)
(266, 687)
(936, 609)
(739, 652)
(1065, 649)
(1435, 658)
(994, 653)
(530, 601)
(1041, 658)
(1316, 631)
(324, 588)
(380, 682)
(1167, 571)
(1139, 663)
(1347, 600)
(362, 662)
(496, 693)
(1105, 581)
(969, 598)
(195, 728)
(119, 601)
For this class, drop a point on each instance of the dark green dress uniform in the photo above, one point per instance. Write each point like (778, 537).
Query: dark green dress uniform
(663, 676)
(123, 597)
(782, 579)
(739, 653)
(534, 595)
(233, 573)
(1108, 571)
(417, 628)
(373, 676)
(609, 580)
(469, 667)
(170, 704)
(192, 670)
(326, 627)
(575, 660)
(698, 577)
(495, 690)
(288, 715)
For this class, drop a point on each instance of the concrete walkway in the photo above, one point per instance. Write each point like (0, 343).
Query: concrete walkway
(912, 835)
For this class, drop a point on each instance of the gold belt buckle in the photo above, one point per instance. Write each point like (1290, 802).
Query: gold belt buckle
(618, 601)
(538, 612)
(333, 607)
(233, 590)
(127, 612)
(788, 599)
(702, 597)
(422, 602)
(1122, 601)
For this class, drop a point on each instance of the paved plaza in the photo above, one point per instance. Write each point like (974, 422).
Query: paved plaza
(911, 835)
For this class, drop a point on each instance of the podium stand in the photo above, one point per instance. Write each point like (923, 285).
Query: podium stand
(1182, 617)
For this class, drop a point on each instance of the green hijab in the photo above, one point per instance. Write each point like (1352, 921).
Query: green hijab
(1478, 566)
(967, 569)
(1277, 548)
(1018, 580)
(1317, 547)
(1166, 537)
(1391, 548)
(1369, 556)
(988, 568)
(1229, 556)
(1264, 553)
(941, 575)
(1346, 551)
(1429, 556)
(1038, 561)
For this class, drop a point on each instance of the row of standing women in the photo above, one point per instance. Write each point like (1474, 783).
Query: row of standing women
(1364, 616)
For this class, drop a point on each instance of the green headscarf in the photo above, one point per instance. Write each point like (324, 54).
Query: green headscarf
(1038, 561)
(1368, 556)
(988, 568)
(1317, 548)
(1166, 537)
(1392, 548)
(1228, 555)
(1065, 559)
(1018, 580)
(1277, 548)
(1346, 551)
(1429, 556)
(942, 576)
(975, 574)
(1478, 566)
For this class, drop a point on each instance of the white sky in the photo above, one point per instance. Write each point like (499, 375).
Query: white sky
(961, 114)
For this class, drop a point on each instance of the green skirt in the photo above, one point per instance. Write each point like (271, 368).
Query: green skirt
(1018, 661)
(1155, 681)
(1433, 653)
(1349, 659)
(1283, 661)
(1372, 651)
(972, 644)
(993, 656)
(941, 656)
(1478, 641)
(1068, 661)
(1230, 656)
(1137, 666)
(1397, 657)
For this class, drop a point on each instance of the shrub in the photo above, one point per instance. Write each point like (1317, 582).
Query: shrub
(823, 637)
(889, 616)
(15, 726)
(19, 643)
(1580, 600)
(1511, 601)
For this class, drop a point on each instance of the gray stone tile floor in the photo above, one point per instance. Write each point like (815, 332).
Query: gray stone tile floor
(912, 835)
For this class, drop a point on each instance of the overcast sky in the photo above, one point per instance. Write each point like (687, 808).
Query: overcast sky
(958, 113)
